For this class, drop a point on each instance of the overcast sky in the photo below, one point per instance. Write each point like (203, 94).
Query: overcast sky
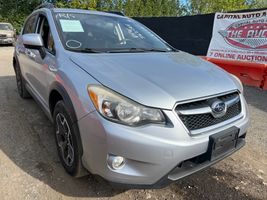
(183, 1)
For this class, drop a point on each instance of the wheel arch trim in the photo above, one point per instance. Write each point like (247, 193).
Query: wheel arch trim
(56, 86)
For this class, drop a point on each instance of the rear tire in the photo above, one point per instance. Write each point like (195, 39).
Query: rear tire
(67, 141)
(23, 93)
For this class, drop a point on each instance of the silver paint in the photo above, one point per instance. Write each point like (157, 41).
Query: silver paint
(160, 80)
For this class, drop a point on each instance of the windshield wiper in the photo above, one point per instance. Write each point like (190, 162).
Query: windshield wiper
(147, 49)
(87, 50)
(157, 50)
(126, 50)
(118, 50)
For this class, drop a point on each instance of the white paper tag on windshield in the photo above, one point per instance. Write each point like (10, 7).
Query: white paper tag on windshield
(71, 26)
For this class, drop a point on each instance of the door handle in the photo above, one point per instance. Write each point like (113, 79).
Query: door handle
(30, 54)
(52, 68)
(27, 52)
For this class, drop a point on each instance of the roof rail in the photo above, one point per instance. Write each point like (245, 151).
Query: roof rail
(45, 5)
(116, 12)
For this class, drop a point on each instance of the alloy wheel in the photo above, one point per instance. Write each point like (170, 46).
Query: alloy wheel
(64, 139)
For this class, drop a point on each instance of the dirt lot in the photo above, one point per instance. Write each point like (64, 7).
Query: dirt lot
(30, 168)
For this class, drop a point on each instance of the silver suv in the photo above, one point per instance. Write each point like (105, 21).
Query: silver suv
(125, 104)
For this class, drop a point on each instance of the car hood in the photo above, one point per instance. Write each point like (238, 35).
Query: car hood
(156, 79)
(6, 32)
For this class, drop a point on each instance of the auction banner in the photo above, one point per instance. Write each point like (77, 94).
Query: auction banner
(240, 36)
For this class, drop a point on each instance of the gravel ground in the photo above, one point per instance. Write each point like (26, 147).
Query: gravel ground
(30, 168)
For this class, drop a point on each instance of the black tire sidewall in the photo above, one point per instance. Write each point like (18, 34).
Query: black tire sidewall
(75, 168)
(18, 76)
(22, 89)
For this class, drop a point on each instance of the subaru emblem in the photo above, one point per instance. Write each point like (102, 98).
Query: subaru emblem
(218, 109)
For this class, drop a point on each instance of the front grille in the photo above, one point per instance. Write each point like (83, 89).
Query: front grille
(198, 121)
(3, 35)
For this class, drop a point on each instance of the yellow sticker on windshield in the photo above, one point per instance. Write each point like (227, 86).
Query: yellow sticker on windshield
(71, 26)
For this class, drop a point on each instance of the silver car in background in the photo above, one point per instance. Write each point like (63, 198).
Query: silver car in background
(7, 33)
(125, 104)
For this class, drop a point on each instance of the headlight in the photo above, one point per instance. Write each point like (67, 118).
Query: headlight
(122, 110)
(9, 35)
(241, 88)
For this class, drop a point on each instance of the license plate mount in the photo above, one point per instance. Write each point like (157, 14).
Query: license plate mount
(223, 142)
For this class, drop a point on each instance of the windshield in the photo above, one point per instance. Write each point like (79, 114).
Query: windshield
(97, 33)
(6, 27)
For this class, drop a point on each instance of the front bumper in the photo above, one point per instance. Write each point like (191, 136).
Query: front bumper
(7, 40)
(153, 153)
(185, 168)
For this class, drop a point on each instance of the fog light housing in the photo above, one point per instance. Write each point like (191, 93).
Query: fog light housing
(116, 162)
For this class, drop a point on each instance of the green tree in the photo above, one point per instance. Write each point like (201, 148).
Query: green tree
(210, 6)
(15, 11)
(150, 8)
(259, 3)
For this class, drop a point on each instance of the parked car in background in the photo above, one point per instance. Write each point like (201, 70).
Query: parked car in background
(7, 33)
(125, 104)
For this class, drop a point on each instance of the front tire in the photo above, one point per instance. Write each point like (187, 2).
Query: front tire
(67, 141)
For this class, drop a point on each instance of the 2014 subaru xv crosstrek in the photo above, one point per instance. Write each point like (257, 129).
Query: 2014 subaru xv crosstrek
(125, 104)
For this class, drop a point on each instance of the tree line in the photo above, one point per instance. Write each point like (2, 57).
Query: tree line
(15, 11)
